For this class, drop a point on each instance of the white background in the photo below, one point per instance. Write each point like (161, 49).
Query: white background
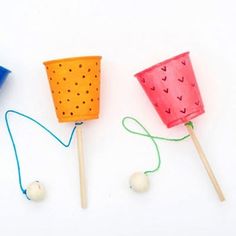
(130, 35)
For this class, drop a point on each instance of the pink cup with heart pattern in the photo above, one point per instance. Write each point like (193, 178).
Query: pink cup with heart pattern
(173, 90)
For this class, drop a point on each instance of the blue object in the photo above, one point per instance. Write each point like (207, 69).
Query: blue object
(3, 75)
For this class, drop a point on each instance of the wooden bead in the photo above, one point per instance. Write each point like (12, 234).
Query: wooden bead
(35, 191)
(139, 182)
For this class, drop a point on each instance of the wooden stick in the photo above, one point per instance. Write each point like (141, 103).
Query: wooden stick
(83, 195)
(205, 162)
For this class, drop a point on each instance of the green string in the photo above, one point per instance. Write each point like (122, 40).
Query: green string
(147, 134)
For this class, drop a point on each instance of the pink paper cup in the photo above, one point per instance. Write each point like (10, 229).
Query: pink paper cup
(173, 90)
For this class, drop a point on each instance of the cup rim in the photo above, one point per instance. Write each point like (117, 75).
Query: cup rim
(161, 63)
(70, 59)
(183, 120)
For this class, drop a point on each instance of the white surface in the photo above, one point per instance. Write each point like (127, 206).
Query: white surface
(130, 35)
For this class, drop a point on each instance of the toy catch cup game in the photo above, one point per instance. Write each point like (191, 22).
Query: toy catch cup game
(75, 88)
(173, 90)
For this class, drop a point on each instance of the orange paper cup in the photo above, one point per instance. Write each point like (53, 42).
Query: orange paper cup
(75, 87)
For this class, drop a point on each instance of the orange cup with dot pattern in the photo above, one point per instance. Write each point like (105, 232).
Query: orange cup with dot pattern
(75, 87)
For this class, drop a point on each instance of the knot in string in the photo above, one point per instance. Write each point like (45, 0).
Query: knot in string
(190, 123)
(78, 123)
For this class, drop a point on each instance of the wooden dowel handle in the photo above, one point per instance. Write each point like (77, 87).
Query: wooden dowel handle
(83, 195)
(205, 162)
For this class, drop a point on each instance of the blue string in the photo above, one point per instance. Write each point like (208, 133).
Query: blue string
(42, 126)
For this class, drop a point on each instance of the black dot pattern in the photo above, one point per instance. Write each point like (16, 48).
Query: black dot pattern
(75, 87)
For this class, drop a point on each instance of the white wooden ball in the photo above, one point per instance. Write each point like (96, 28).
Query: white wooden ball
(139, 182)
(35, 191)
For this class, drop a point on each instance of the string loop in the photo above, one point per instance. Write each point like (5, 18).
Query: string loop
(147, 134)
